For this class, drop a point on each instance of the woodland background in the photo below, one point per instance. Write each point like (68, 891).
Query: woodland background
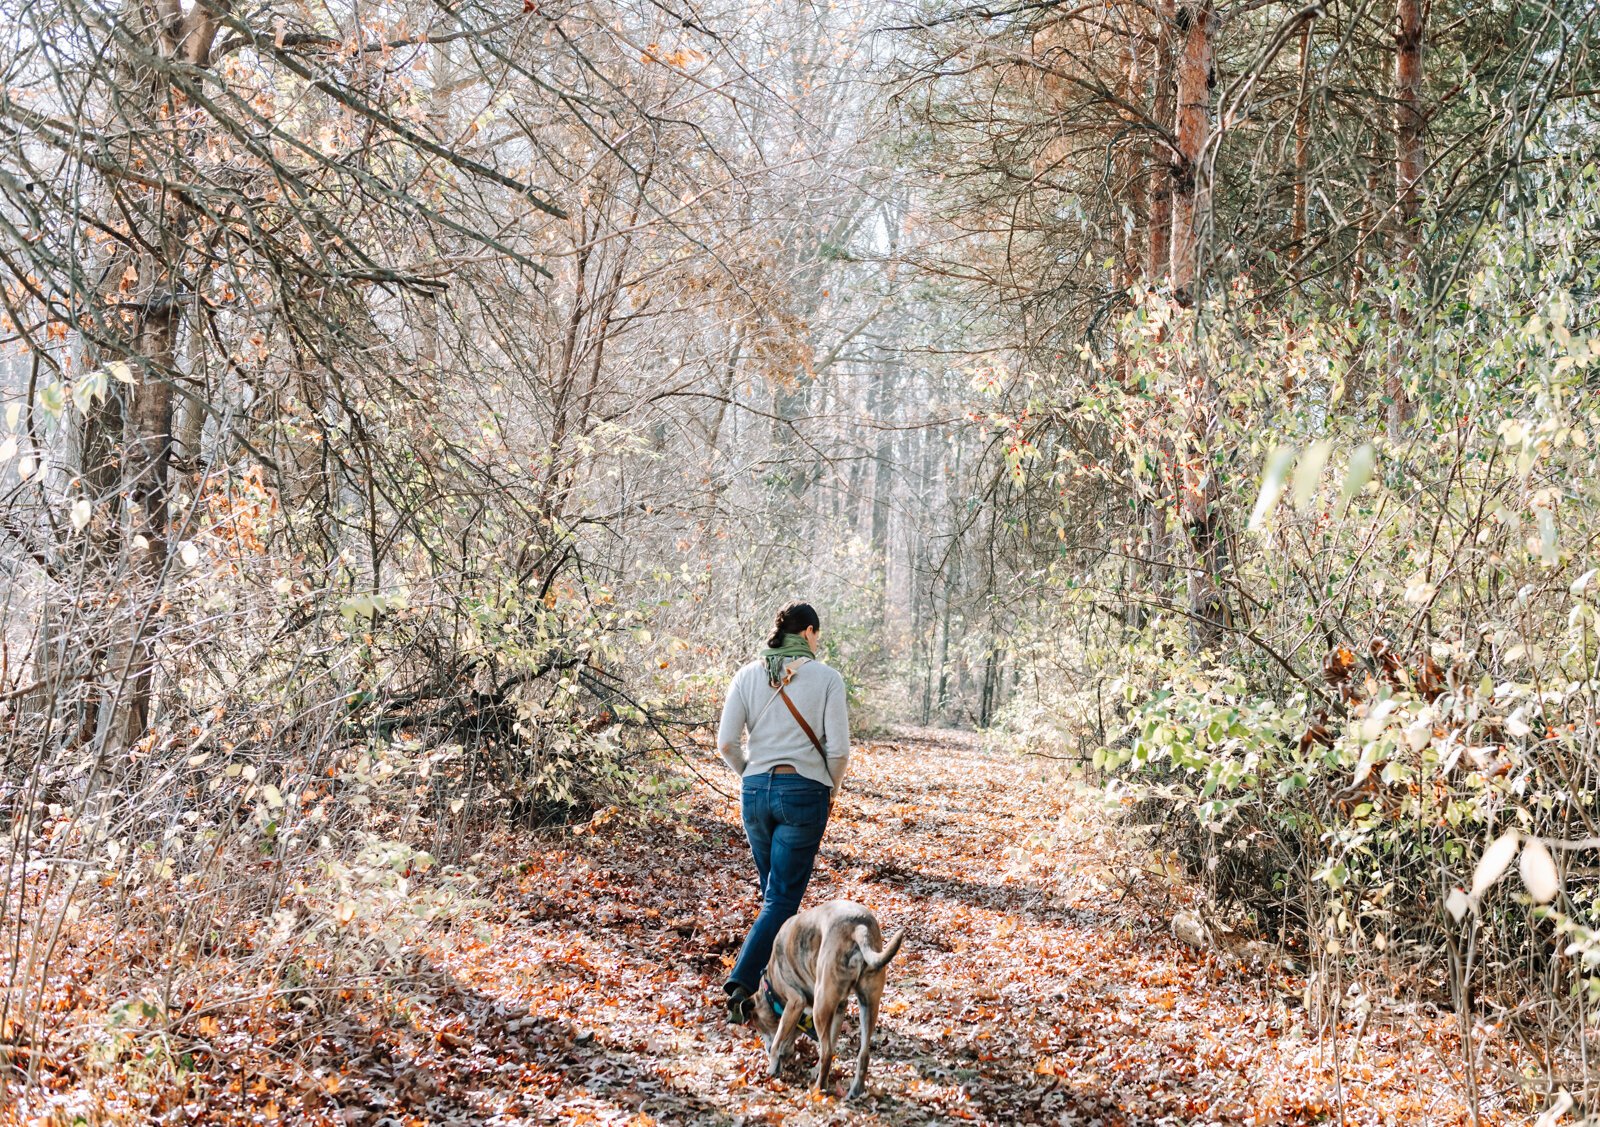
(413, 412)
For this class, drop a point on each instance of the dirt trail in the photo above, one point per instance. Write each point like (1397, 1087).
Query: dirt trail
(1032, 988)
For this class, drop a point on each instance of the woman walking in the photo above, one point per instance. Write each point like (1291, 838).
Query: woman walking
(793, 707)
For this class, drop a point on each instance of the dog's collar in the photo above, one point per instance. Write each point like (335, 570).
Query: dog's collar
(806, 1025)
(772, 996)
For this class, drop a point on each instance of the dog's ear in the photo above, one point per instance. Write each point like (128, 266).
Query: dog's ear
(764, 1016)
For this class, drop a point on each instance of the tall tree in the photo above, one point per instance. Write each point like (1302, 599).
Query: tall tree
(1191, 227)
(1191, 175)
(148, 276)
(1409, 123)
(1158, 243)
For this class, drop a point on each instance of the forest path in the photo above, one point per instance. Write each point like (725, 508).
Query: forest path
(1031, 989)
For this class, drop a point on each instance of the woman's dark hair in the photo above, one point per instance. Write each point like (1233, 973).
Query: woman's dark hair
(791, 620)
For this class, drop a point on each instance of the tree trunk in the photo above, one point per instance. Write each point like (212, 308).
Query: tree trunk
(883, 475)
(189, 411)
(1191, 192)
(441, 95)
(1198, 509)
(1191, 200)
(1408, 121)
(1367, 228)
(942, 700)
(147, 455)
(986, 691)
(1408, 125)
(148, 286)
(1302, 129)
(1135, 176)
(1156, 538)
(1163, 169)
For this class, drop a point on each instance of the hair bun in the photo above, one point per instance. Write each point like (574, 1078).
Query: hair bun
(793, 618)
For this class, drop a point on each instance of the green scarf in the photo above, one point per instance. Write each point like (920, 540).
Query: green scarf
(792, 645)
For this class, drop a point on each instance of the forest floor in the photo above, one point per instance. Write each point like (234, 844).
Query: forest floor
(1040, 982)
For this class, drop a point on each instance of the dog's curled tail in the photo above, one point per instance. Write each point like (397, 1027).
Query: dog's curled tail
(875, 961)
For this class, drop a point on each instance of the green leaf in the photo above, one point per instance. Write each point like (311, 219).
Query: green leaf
(1494, 861)
(1538, 871)
(1362, 462)
(90, 388)
(53, 398)
(1272, 482)
(1308, 473)
(1548, 554)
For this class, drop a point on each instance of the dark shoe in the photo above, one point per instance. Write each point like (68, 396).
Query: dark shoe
(740, 1004)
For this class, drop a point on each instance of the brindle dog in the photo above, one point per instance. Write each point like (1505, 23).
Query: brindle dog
(820, 958)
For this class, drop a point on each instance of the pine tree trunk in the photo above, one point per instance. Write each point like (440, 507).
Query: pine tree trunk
(1191, 193)
(1191, 200)
(1163, 170)
(1408, 126)
(1302, 130)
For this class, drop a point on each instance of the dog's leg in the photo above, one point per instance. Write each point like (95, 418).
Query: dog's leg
(868, 995)
(825, 1011)
(783, 1036)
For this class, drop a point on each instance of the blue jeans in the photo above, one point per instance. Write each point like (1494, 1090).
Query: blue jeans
(784, 816)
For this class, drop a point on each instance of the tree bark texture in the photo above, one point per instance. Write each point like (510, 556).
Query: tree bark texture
(1191, 199)
(1302, 130)
(1408, 126)
(1158, 256)
(1135, 176)
(1191, 193)
(146, 289)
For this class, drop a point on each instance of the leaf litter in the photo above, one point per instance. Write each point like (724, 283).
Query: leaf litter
(1040, 982)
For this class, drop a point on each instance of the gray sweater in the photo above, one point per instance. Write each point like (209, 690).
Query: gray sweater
(817, 691)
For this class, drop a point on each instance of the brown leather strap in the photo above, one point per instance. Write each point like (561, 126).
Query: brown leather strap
(806, 728)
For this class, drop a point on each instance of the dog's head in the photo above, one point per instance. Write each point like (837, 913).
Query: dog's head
(762, 1015)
